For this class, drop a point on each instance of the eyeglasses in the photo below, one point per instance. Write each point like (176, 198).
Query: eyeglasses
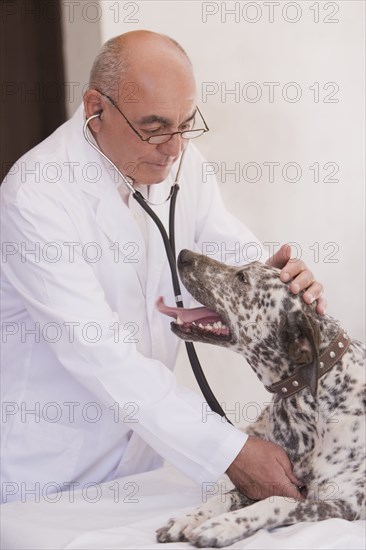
(162, 138)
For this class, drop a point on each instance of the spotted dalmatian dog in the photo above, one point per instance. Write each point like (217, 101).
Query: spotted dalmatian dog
(321, 427)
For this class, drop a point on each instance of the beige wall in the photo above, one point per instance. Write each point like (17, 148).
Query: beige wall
(318, 59)
(82, 40)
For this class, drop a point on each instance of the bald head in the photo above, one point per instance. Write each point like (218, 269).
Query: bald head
(150, 81)
(123, 57)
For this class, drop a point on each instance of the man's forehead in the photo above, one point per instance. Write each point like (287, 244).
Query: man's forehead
(161, 96)
(154, 85)
(167, 119)
(164, 95)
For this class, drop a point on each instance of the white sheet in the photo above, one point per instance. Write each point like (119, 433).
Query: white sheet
(114, 521)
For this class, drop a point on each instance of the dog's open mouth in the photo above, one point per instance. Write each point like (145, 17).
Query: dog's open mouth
(196, 322)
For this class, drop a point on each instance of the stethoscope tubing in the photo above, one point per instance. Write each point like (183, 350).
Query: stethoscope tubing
(169, 244)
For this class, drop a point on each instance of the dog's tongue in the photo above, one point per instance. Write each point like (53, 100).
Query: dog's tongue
(188, 315)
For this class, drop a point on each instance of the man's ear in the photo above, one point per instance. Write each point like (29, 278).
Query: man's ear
(92, 106)
(300, 337)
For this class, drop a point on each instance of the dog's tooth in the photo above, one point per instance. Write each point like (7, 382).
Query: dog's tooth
(201, 325)
(219, 324)
(194, 323)
(179, 321)
(216, 325)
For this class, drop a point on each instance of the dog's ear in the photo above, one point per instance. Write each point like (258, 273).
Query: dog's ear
(300, 337)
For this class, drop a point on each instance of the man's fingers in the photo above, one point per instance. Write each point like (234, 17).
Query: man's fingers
(292, 269)
(295, 480)
(281, 257)
(262, 469)
(321, 306)
(313, 292)
(293, 492)
(289, 485)
(258, 491)
(305, 280)
(300, 276)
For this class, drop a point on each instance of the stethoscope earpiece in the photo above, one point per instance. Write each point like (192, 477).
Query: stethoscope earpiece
(97, 115)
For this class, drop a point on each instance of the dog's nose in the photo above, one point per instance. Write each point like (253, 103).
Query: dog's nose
(185, 258)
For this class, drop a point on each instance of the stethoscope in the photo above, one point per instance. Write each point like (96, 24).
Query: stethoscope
(169, 244)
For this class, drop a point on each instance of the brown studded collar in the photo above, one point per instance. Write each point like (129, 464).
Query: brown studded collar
(293, 384)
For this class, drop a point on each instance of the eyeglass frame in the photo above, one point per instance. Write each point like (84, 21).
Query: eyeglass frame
(206, 129)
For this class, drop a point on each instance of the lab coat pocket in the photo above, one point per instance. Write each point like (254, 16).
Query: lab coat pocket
(42, 454)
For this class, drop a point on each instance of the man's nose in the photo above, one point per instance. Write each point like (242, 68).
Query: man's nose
(173, 147)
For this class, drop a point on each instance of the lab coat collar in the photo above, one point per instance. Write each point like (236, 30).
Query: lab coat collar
(116, 219)
(112, 214)
(95, 173)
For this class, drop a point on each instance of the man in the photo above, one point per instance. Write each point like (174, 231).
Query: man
(87, 394)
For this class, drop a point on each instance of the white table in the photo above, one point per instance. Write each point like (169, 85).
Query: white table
(126, 513)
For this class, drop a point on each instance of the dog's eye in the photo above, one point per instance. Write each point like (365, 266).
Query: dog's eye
(243, 277)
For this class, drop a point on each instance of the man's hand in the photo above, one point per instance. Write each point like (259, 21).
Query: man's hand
(302, 277)
(262, 469)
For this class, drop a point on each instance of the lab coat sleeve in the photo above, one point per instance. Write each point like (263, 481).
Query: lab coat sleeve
(65, 292)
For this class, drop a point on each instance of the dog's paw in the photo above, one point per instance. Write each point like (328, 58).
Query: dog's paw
(216, 534)
(169, 533)
(178, 530)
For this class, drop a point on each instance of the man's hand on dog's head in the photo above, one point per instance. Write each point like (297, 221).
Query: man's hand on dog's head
(301, 277)
(262, 469)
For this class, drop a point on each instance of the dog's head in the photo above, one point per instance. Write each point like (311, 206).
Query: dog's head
(250, 310)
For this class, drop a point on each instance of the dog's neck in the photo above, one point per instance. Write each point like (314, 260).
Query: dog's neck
(284, 368)
(328, 328)
(309, 376)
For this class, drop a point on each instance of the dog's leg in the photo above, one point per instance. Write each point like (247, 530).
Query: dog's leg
(260, 427)
(179, 529)
(266, 514)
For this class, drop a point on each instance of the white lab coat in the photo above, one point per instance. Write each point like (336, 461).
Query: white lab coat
(87, 388)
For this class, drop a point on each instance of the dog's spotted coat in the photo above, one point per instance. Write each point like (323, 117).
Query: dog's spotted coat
(322, 428)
